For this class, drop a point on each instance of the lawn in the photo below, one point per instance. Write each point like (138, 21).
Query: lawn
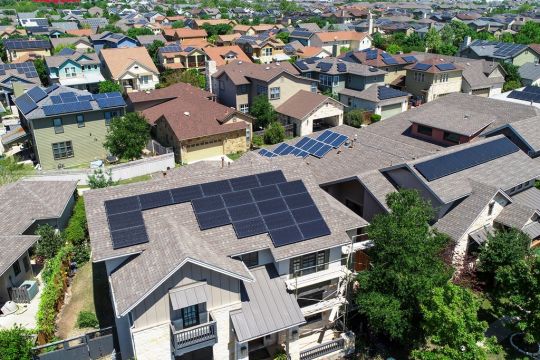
(235, 156)
(134, 179)
(89, 291)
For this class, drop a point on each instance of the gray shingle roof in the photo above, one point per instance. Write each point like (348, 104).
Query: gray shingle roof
(529, 198)
(515, 215)
(528, 131)
(529, 71)
(377, 185)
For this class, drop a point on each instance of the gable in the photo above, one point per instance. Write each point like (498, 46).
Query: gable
(69, 62)
(84, 57)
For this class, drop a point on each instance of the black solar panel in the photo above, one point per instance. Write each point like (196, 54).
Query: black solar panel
(445, 67)
(390, 61)
(129, 237)
(421, 67)
(292, 187)
(265, 193)
(237, 198)
(244, 182)
(155, 199)
(314, 229)
(279, 220)
(384, 93)
(271, 206)
(249, 227)
(371, 54)
(212, 219)
(185, 194)
(243, 212)
(460, 160)
(532, 89)
(285, 236)
(117, 206)
(298, 200)
(125, 220)
(208, 203)
(325, 67)
(301, 65)
(306, 214)
(25, 103)
(37, 94)
(342, 67)
(272, 177)
(216, 187)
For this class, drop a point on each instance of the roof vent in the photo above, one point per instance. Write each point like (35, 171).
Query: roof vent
(240, 62)
(186, 113)
(267, 68)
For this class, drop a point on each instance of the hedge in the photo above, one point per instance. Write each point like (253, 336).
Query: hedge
(76, 233)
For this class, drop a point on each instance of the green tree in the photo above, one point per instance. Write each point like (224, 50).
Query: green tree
(100, 179)
(61, 47)
(354, 118)
(446, 49)
(41, 69)
(433, 39)
(153, 50)
(109, 86)
(505, 247)
(219, 29)
(11, 170)
(507, 37)
(393, 49)
(111, 28)
(263, 111)
(127, 136)
(134, 32)
(178, 24)
(170, 12)
(288, 6)
(528, 34)
(50, 241)
(283, 36)
(274, 133)
(512, 78)
(450, 318)
(378, 40)
(406, 265)
(15, 343)
(193, 77)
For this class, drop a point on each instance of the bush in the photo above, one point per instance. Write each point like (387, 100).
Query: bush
(274, 134)
(354, 118)
(280, 355)
(100, 179)
(49, 243)
(15, 344)
(76, 233)
(258, 140)
(87, 319)
(374, 118)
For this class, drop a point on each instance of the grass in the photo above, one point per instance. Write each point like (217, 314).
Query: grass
(235, 156)
(134, 179)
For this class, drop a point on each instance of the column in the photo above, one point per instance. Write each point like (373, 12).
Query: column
(241, 351)
(292, 344)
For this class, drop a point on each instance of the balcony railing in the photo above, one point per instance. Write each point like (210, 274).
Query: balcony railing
(322, 349)
(192, 338)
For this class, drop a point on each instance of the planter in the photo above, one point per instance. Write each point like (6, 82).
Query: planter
(516, 340)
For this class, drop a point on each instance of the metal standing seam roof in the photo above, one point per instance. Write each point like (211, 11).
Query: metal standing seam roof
(192, 294)
(267, 307)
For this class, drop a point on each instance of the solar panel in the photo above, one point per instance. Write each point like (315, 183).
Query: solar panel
(118, 206)
(110, 102)
(279, 220)
(532, 89)
(308, 144)
(265, 193)
(272, 177)
(129, 237)
(314, 229)
(292, 187)
(185, 194)
(299, 153)
(312, 150)
(266, 153)
(340, 140)
(244, 182)
(285, 236)
(342, 67)
(324, 135)
(384, 93)
(85, 98)
(301, 65)
(208, 203)
(155, 199)
(271, 206)
(325, 149)
(421, 67)
(371, 55)
(25, 103)
(445, 67)
(333, 136)
(237, 198)
(302, 141)
(298, 200)
(125, 220)
(243, 212)
(69, 107)
(67, 96)
(310, 60)
(281, 147)
(390, 61)
(325, 67)
(216, 187)
(306, 214)
(460, 160)
(56, 99)
(249, 227)
(212, 219)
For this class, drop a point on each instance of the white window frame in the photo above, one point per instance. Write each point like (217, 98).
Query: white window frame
(275, 93)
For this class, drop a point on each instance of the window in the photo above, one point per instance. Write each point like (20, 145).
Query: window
(307, 75)
(170, 61)
(80, 120)
(26, 263)
(444, 78)
(325, 80)
(190, 316)
(16, 268)
(244, 108)
(250, 260)
(267, 51)
(419, 76)
(425, 130)
(58, 126)
(248, 135)
(275, 93)
(336, 80)
(314, 87)
(242, 89)
(62, 150)
(70, 71)
(309, 263)
(109, 115)
(451, 137)
(144, 79)
(262, 90)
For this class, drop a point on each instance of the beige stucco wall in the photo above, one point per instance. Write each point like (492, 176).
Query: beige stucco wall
(525, 57)
(14, 55)
(288, 85)
(153, 343)
(431, 88)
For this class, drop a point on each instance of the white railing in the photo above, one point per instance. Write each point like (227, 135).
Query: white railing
(194, 335)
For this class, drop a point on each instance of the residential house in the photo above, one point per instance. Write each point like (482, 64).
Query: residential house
(206, 285)
(33, 22)
(432, 78)
(76, 69)
(227, 39)
(132, 68)
(81, 32)
(238, 83)
(9, 31)
(308, 112)
(304, 52)
(19, 74)
(264, 48)
(26, 204)
(333, 74)
(81, 43)
(95, 11)
(109, 40)
(93, 23)
(187, 120)
(516, 54)
(67, 126)
(185, 34)
(22, 50)
(198, 24)
(302, 36)
(212, 13)
(253, 30)
(334, 42)
(222, 55)
(147, 40)
(174, 56)
(530, 74)
(380, 100)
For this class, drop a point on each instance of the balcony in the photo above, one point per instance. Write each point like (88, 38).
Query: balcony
(323, 349)
(194, 338)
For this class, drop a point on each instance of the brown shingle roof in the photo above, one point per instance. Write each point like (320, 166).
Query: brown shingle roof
(341, 36)
(190, 33)
(120, 59)
(170, 92)
(302, 104)
(239, 72)
(217, 54)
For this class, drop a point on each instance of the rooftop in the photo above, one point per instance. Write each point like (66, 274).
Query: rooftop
(120, 59)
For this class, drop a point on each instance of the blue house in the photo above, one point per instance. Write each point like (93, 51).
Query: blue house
(79, 70)
(112, 40)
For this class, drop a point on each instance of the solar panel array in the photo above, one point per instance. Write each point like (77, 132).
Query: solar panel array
(324, 66)
(410, 59)
(529, 93)
(310, 60)
(342, 67)
(254, 204)
(170, 49)
(317, 147)
(508, 49)
(26, 68)
(422, 67)
(390, 61)
(384, 93)
(445, 67)
(464, 159)
(26, 44)
(301, 65)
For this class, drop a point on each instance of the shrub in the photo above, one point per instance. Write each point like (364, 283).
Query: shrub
(258, 140)
(374, 118)
(274, 134)
(76, 233)
(354, 118)
(100, 179)
(280, 355)
(50, 241)
(15, 344)
(87, 319)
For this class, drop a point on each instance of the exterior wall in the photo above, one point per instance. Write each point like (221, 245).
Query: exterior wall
(228, 143)
(16, 54)
(327, 110)
(389, 110)
(134, 73)
(393, 73)
(87, 141)
(226, 92)
(288, 85)
(430, 89)
(9, 279)
(525, 57)
(405, 179)
(438, 136)
(152, 343)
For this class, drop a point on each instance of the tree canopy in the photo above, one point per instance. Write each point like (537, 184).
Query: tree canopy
(263, 111)
(505, 247)
(127, 136)
(134, 32)
(274, 133)
(109, 86)
(16, 343)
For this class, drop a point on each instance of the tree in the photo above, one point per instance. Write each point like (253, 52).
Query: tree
(219, 29)
(178, 24)
(512, 79)
(127, 136)
(507, 37)
(288, 6)
(153, 50)
(283, 36)
(61, 47)
(528, 34)
(109, 86)
(100, 179)
(50, 241)
(275, 133)
(378, 40)
(15, 343)
(41, 69)
(263, 111)
(170, 12)
(393, 49)
(134, 32)
(406, 265)
(193, 77)
(450, 318)
(111, 28)
(433, 39)
(354, 118)
(11, 170)
(505, 247)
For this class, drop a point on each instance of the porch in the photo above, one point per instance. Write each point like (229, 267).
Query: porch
(193, 338)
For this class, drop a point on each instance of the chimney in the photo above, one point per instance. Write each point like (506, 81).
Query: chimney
(211, 69)
(370, 22)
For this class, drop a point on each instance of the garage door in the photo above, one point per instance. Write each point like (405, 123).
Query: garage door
(204, 151)
(390, 110)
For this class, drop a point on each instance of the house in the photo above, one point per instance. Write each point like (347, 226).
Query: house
(174, 56)
(380, 100)
(67, 126)
(516, 54)
(301, 35)
(95, 11)
(9, 31)
(132, 68)
(333, 42)
(206, 285)
(24, 74)
(530, 74)
(198, 24)
(65, 25)
(263, 48)
(334, 75)
(76, 69)
(147, 40)
(81, 43)
(25, 206)
(111, 40)
(253, 30)
(185, 34)
(305, 52)
(187, 119)
(22, 50)
(34, 21)
(238, 83)
(308, 112)
(227, 39)
(93, 23)
(222, 55)
(432, 78)
(81, 32)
